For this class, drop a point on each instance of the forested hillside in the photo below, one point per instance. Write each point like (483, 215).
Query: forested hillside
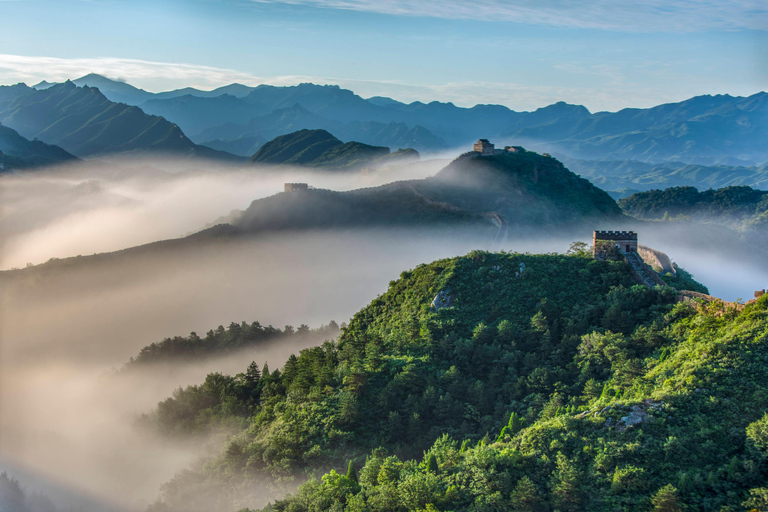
(741, 207)
(452, 348)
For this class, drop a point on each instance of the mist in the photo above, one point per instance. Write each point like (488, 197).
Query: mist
(68, 422)
(102, 206)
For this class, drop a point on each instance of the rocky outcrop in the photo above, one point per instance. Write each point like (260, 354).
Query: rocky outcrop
(443, 299)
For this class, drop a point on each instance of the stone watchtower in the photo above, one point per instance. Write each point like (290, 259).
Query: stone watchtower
(606, 242)
(484, 147)
(295, 187)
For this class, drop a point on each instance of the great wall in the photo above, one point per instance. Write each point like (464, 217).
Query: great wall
(646, 263)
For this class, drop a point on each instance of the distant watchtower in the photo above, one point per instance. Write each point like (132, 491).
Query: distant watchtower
(484, 147)
(295, 187)
(604, 242)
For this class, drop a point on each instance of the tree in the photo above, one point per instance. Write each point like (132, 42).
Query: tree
(666, 500)
(351, 473)
(432, 464)
(566, 492)
(252, 374)
(579, 249)
(525, 497)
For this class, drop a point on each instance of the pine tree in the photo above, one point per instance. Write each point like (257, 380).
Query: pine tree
(566, 493)
(525, 497)
(666, 500)
(432, 464)
(351, 473)
(252, 374)
(515, 423)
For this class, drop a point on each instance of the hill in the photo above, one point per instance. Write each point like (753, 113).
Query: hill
(16, 152)
(494, 193)
(642, 176)
(317, 148)
(742, 207)
(85, 123)
(493, 380)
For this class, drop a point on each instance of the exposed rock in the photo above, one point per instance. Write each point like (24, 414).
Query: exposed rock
(443, 299)
(636, 417)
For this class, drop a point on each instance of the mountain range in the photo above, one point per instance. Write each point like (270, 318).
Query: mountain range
(85, 123)
(704, 130)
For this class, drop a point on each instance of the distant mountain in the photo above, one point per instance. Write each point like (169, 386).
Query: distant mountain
(194, 114)
(16, 152)
(497, 192)
(296, 117)
(43, 85)
(640, 176)
(317, 148)
(114, 90)
(84, 122)
(704, 130)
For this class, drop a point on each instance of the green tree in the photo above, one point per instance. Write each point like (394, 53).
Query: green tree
(351, 473)
(432, 464)
(666, 500)
(525, 497)
(565, 486)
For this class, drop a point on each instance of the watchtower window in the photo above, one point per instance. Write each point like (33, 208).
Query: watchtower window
(628, 248)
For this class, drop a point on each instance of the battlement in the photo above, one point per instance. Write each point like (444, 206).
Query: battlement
(614, 235)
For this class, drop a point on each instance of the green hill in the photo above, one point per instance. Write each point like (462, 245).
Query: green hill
(85, 123)
(467, 386)
(16, 152)
(317, 148)
(741, 207)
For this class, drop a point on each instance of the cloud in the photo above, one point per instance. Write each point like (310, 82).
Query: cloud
(630, 15)
(616, 93)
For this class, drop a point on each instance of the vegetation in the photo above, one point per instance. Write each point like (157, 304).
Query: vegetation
(681, 427)
(739, 206)
(492, 193)
(221, 341)
(683, 280)
(626, 177)
(569, 333)
(13, 497)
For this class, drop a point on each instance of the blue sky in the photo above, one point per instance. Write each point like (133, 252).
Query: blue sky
(605, 54)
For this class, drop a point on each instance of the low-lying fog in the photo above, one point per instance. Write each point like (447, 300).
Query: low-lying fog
(67, 425)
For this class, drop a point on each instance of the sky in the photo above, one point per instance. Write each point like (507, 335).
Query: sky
(524, 54)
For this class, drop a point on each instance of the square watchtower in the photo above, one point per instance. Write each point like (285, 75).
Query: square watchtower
(623, 242)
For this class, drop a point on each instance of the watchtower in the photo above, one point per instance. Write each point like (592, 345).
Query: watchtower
(484, 147)
(604, 242)
(295, 187)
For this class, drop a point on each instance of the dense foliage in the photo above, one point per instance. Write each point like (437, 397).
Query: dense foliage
(220, 341)
(731, 205)
(404, 372)
(684, 427)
